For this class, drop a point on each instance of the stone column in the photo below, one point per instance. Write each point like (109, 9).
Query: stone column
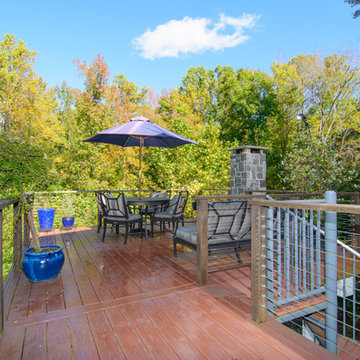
(247, 169)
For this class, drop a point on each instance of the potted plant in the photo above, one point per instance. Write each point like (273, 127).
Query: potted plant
(41, 263)
(46, 216)
(68, 211)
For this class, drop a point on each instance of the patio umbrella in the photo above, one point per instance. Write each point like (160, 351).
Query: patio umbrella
(140, 132)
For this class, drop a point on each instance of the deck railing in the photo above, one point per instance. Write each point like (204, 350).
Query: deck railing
(15, 233)
(297, 256)
(13, 221)
(271, 253)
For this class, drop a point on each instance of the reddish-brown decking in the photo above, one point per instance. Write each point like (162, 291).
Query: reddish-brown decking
(136, 301)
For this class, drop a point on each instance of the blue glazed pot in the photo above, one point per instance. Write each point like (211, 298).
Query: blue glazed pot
(68, 222)
(39, 267)
(46, 218)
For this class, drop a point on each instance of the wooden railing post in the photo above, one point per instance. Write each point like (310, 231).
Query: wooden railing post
(17, 236)
(1, 276)
(28, 209)
(202, 241)
(258, 264)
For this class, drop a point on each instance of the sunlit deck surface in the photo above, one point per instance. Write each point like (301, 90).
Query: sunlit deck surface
(136, 301)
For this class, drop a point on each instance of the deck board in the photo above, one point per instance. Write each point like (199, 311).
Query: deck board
(131, 343)
(136, 301)
(35, 342)
(82, 340)
(105, 339)
(59, 345)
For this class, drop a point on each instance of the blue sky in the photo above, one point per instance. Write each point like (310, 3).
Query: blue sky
(154, 43)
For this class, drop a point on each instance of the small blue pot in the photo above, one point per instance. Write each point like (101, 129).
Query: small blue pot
(39, 267)
(46, 219)
(68, 222)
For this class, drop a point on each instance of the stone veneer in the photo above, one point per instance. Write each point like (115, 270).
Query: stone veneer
(247, 169)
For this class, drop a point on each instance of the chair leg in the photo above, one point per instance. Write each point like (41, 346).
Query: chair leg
(238, 254)
(99, 222)
(175, 250)
(126, 233)
(104, 231)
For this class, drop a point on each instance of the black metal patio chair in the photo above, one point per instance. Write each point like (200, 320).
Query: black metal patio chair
(173, 214)
(115, 211)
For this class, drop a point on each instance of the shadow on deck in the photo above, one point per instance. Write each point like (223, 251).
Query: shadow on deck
(136, 301)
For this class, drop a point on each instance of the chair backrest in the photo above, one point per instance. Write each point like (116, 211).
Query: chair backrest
(172, 205)
(98, 202)
(229, 219)
(159, 195)
(181, 204)
(114, 206)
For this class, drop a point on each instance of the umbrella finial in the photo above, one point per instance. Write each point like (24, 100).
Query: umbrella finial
(140, 118)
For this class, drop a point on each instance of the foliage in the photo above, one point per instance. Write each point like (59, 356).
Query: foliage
(42, 129)
(313, 165)
(354, 3)
(245, 101)
(218, 108)
(68, 205)
(23, 167)
(26, 106)
(326, 90)
(197, 89)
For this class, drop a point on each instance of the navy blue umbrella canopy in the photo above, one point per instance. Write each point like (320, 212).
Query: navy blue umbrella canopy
(140, 132)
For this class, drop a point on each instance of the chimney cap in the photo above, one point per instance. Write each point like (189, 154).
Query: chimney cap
(248, 149)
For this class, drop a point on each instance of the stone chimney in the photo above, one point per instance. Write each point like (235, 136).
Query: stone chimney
(247, 169)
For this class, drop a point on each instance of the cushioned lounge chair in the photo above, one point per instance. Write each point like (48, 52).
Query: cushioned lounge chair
(229, 225)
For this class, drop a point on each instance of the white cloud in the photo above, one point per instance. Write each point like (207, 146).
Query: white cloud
(190, 35)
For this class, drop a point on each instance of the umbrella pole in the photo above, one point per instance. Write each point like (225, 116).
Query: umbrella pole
(140, 157)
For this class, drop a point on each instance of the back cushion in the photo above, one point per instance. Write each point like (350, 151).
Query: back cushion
(226, 218)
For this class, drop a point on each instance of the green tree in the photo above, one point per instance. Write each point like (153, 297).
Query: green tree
(326, 91)
(245, 101)
(27, 107)
(314, 165)
(197, 89)
(100, 106)
(24, 167)
(203, 166)
(354, 3)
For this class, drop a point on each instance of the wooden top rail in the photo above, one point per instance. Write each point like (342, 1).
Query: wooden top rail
(5, 203)
(227, 197)
(349, 209)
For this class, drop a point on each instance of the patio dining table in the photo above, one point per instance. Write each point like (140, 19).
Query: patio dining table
(145, 202)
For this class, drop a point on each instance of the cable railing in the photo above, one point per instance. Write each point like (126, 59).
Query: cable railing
(290, 258)
(306, 271)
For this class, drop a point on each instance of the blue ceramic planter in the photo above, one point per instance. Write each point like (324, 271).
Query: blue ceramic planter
(39, 267)
(46, 218)
(68, 222)
(194, 205)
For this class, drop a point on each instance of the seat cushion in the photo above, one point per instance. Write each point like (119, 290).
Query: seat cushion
(134, 217)
(186, 233)
(164, 216)
(123, 219)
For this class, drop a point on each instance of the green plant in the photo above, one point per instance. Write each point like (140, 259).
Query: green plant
(68, 205)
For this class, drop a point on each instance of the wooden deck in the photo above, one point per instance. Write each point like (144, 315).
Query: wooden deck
(136, 301)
